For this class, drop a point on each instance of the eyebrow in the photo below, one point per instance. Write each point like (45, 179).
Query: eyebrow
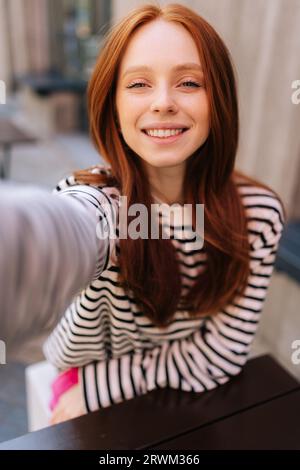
(177, 68)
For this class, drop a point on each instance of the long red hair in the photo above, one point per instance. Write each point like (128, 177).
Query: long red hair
(149, 268)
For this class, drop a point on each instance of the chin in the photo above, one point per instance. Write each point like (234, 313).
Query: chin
(165, 161)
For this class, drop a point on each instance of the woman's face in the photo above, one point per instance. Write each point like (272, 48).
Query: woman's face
(163, 95)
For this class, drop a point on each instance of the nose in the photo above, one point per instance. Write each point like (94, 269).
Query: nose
(163, 101)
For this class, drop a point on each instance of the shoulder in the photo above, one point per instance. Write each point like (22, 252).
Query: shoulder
(264, 210)
(92, 192)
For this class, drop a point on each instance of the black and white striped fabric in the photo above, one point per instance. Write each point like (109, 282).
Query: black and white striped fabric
(121, 354)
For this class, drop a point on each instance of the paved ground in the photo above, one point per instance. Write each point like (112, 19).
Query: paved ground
(13, 417)
(49, 160)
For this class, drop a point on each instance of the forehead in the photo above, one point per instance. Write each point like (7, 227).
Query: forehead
(160, 43)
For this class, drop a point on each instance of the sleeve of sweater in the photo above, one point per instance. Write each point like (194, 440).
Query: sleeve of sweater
(50, 249)
(206, 359)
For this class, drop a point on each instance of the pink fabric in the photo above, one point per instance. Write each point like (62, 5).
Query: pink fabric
(61, 384)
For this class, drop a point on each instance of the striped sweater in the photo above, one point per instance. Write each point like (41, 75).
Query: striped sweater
(121, 354)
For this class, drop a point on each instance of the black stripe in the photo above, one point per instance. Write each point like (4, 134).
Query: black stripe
(234, 340)
(210, 361)
(85, 390)
(107, 377)
(264, 206)
(188, 366)
(119, 365)
(96, 385)
(239, 318)
(131, 376)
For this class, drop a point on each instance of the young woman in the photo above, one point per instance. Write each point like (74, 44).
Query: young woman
(164, 312)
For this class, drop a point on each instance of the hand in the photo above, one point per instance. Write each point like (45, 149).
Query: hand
(70, 405)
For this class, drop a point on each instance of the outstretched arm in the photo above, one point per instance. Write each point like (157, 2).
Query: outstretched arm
(49, 251)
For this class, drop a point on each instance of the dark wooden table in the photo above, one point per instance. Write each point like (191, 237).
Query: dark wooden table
(10, 134)
(259, 409)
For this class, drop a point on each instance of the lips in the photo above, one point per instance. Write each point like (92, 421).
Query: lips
(165, 140)
(163, 128)
(165, 125)
(184, 129)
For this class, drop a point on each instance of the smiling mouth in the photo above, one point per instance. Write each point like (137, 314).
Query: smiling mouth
(164, 134)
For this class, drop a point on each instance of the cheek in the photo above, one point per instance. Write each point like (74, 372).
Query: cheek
(205, 106)
(122, 108)
(203, 112)
(133, 116)
(197, 107)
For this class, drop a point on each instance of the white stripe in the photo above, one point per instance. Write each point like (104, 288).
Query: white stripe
(102, 384)
(125, 374)
(114, 380)
(91, 389)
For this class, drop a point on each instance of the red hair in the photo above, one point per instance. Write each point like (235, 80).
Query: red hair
(149, 268)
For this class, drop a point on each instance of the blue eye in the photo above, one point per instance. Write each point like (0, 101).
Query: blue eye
(192, 83)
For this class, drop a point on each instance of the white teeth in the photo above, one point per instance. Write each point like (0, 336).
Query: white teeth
(163, 132)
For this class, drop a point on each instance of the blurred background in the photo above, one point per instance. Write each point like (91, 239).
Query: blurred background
(47, 52)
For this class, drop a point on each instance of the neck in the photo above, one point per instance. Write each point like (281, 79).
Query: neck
(167, 184)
